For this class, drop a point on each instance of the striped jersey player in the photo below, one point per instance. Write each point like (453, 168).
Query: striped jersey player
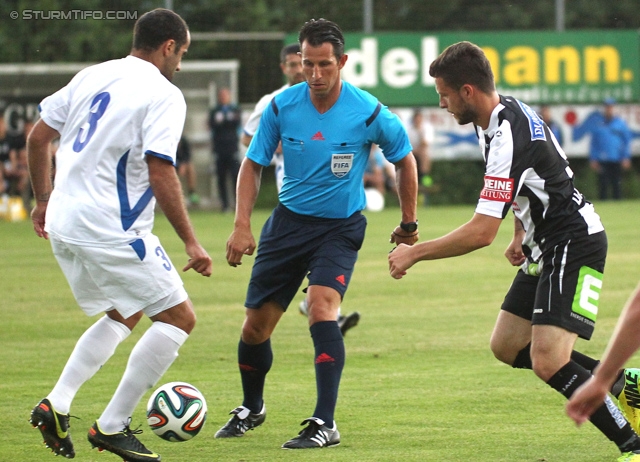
(544, 311)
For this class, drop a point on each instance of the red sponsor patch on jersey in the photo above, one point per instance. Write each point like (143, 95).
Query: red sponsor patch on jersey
(497, 189)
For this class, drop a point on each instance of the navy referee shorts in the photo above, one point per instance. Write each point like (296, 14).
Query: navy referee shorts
(293, 246)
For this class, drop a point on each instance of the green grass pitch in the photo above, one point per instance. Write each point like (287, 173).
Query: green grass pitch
(420, 383)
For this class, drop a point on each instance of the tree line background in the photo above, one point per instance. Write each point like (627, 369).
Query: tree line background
(45, 41)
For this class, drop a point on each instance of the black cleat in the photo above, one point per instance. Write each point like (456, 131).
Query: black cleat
(347, 322)
(123, 444)
(54, 428)
(316, 435)
(242, 421)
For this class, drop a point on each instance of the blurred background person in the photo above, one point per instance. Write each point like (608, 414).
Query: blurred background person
(186, 170)
(609, 151)
(545, 113)
(224, 123)
(421, 134)
(14, 173)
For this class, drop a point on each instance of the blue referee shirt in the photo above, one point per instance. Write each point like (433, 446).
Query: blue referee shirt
(325, 155)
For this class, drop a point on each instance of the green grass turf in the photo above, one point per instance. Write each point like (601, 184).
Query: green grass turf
(420, 383)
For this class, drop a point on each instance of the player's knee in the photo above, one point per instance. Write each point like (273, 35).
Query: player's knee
(254, 333)
(501, 350)
(545, 367)
(500, 353)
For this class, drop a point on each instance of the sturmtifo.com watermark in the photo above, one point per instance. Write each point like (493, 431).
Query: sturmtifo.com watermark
(74, 14)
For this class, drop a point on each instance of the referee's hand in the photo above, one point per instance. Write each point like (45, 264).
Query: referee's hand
(240, 243)
(399, 236)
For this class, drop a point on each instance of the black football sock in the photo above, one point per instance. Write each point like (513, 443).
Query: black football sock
(523, 358)
(523, 361)
(618, 386)
(585, 361)
(329, 362)
(254, 362)
(607, 418)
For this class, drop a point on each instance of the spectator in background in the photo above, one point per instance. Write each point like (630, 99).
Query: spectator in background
(420, 134)
(5, 150)
(224, 123)
(609, 152)
(14, 173)
(186, 169)
(555, 128)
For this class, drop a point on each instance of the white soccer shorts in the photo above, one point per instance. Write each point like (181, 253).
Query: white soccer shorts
(129, 278)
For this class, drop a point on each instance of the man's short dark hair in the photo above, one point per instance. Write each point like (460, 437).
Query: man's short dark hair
(157, 26)
(319, 31)
(463, 63)
(291, 49)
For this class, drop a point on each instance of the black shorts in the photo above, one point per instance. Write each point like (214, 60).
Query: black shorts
(567, 292)
(293, 246)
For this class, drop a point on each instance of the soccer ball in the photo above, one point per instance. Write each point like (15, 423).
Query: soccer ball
(176, 411)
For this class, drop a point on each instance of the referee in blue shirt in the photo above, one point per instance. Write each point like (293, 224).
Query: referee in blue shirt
(326, 127)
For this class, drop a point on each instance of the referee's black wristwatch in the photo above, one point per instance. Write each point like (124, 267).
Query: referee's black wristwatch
(410, 227)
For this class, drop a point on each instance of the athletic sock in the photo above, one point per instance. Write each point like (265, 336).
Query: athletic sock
(92, 350)
(585, 361)
(607, 418)
(523, 358)
(254, 362)
(618, 385)
(523, 361)
(329, 362)
(149, 360)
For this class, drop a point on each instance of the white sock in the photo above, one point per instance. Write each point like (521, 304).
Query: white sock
(91, 352)
(149, 360)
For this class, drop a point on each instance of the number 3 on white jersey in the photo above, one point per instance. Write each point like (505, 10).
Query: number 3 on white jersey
(98, 106)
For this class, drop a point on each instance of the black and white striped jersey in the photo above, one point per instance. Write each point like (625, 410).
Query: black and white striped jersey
(527, 170)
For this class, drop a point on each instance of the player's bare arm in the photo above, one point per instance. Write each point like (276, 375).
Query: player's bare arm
(514, 253)
(168, 192)
(479, 232)
(407, 186)
(39, 160)
(241, 242)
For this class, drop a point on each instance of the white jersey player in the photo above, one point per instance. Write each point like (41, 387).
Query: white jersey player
(102, 195)
(291, 65)
(119, 124)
